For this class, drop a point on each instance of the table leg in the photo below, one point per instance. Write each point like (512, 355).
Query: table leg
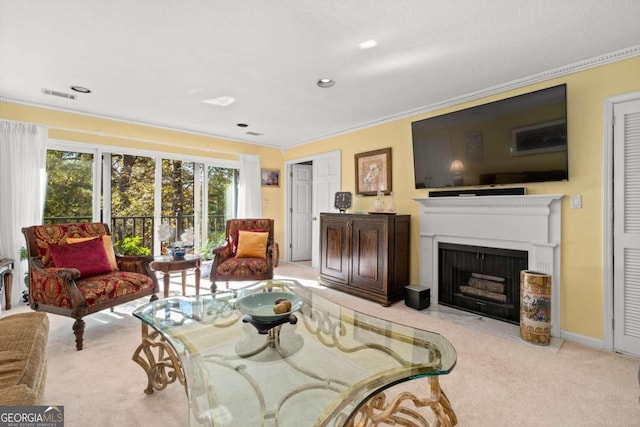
(166, 279)
(8, 284)
(184, 282)
(403, 409)
(197, 280)
(162, 369)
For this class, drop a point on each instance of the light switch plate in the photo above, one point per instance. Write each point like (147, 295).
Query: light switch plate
(576, 201)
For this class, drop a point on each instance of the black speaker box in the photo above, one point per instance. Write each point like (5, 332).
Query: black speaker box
(510, 191)
(416, 296)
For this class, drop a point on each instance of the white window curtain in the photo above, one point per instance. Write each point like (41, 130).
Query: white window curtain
(249, 190)
(23, 157)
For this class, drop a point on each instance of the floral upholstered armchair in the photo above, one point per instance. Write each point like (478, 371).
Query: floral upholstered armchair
(74, 271)
(247, 253)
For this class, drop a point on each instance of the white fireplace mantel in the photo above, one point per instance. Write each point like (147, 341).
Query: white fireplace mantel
(530, 223)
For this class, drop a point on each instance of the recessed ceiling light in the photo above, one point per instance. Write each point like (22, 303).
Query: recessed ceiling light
(220, 101)
(80, 89)
(368, 44)
(242, 125)
(325, 83)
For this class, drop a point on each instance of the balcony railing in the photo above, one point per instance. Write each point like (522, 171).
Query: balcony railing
(144, 226)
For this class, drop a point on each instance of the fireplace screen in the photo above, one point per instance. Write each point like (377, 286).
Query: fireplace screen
(481, 280)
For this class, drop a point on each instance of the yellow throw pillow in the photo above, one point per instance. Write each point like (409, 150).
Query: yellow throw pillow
(108, 248)
(252, 244)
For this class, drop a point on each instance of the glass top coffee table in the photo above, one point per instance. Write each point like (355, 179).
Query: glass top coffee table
(322, 365)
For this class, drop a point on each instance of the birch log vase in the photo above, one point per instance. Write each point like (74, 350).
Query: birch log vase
(535, 307)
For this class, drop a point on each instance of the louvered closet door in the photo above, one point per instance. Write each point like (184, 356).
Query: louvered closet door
(626, 228)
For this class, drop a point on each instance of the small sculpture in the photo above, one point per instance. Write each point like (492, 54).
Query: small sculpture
(379, 205)
(392, 203)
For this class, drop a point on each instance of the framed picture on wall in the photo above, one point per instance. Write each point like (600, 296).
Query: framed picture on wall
(373, 172)
(270, 177)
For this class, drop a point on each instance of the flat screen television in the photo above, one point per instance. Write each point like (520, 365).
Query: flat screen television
(521, 139)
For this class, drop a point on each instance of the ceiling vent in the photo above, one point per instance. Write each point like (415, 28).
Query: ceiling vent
(56, 93)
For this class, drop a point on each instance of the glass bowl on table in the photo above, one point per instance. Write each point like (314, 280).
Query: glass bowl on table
(261, 306)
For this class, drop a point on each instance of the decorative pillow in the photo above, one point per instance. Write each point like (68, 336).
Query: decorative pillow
(233, 238)
(108, 247)
(252, 244)
(89, 257)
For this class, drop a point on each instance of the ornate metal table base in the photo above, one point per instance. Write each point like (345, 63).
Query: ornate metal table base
(162, 369)
(336, 368)
(404, 410)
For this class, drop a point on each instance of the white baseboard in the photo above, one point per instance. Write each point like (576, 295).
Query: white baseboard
(584, 340)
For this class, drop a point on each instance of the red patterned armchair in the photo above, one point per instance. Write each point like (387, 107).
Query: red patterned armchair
(247, 253)
(74, 272)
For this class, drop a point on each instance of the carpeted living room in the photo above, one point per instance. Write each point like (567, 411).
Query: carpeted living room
(439, 202)
(499, 379)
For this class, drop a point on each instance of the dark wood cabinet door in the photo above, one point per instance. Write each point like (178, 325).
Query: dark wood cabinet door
(369, 246)
(365, 255)
(334, 244)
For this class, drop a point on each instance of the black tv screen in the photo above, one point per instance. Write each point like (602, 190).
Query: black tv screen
(515, 140)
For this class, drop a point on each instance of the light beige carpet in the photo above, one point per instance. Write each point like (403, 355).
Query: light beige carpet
(499, 380)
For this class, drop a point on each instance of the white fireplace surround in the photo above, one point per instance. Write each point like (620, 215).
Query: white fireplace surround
(529, 223)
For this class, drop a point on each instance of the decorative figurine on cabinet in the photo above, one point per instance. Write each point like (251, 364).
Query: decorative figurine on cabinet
(379, 204)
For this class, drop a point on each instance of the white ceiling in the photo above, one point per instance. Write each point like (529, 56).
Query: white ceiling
(154, 61)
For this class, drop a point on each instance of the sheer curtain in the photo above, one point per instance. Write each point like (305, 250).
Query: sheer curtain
(23, 157)
(249, 190)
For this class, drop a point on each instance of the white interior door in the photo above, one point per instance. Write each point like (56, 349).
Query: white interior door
(301, 214)
(626, 227)
(326, 182)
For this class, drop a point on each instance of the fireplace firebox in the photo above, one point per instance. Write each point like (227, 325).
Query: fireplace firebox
(481, 280)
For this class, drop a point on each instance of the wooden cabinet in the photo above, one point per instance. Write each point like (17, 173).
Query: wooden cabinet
(365, 255)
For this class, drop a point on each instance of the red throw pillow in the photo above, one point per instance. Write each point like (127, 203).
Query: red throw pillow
(108, 247)
(89, 257)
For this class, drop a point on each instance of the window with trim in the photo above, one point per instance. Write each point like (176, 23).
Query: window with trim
(135, 192)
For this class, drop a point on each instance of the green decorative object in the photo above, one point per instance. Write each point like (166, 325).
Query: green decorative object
(131, 246)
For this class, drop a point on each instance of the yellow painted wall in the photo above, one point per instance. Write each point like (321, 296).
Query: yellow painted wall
(582, 239)
(126, 135)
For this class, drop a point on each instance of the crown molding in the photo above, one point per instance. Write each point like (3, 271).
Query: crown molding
(19, 101)
(564, 70)
(575, 67)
